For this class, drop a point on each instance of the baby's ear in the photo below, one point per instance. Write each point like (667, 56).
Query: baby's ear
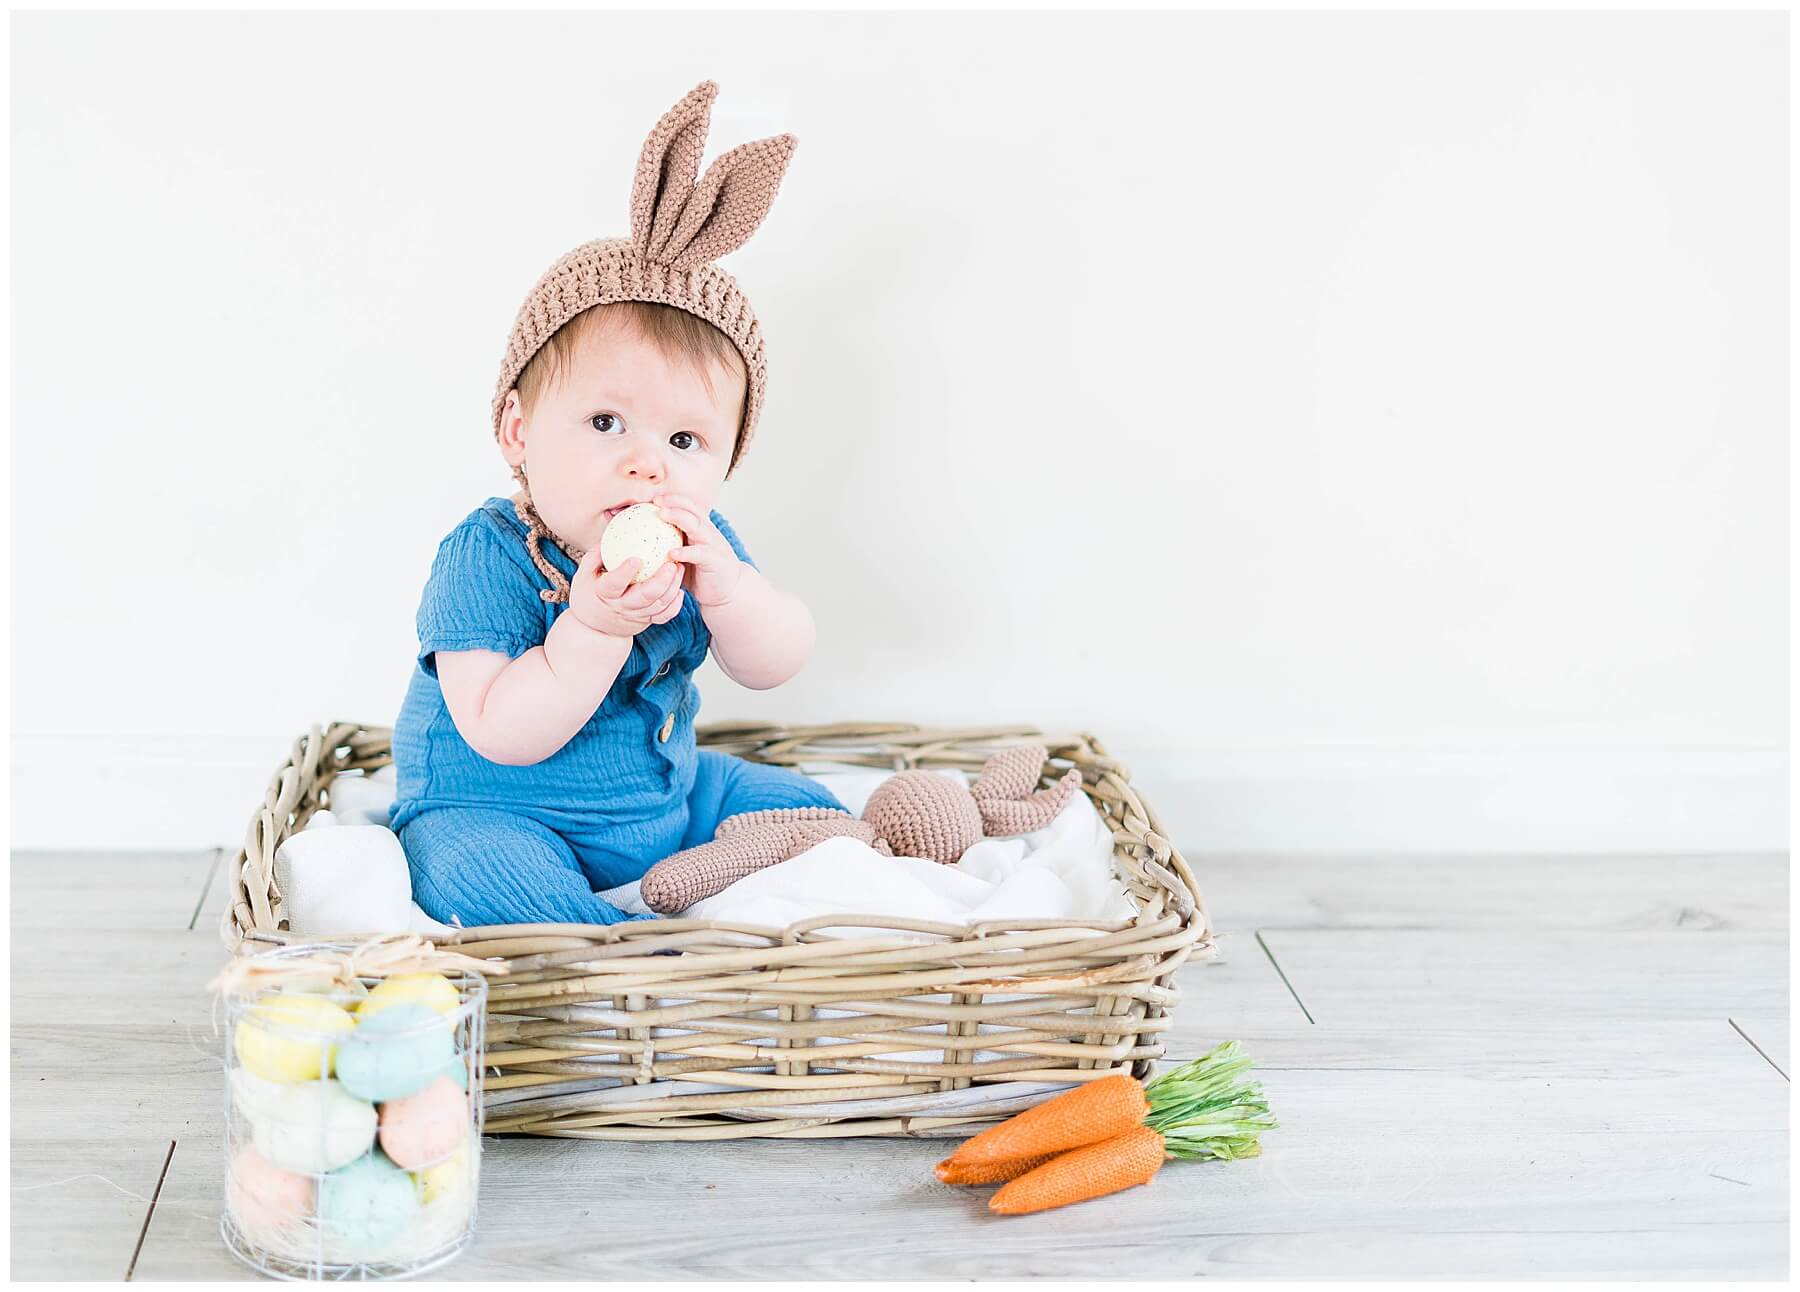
(511, 434)
(677, 223)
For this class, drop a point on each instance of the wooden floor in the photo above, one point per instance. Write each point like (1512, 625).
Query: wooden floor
(1484, 1068)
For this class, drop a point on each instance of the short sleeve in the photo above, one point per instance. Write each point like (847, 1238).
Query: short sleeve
(479, 597)
(731, 537)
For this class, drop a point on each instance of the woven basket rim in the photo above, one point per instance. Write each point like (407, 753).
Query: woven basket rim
(326, 751)
(749, 1031)
(598, 1031)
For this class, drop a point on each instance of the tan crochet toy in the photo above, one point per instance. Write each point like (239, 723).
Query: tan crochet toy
(911, 814)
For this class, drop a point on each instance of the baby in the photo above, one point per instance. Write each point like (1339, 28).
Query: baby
(545, 751)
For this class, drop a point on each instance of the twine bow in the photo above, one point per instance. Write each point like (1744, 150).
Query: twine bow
(378, 957)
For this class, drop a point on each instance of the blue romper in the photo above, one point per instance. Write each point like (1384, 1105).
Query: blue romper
(492, 844)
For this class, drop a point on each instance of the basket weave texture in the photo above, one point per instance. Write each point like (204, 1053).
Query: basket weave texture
(707, 1029)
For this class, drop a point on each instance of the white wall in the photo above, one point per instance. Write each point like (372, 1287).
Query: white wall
(1373, 426)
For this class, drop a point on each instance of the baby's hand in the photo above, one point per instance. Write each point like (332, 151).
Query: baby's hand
(714, 570)
(608, 602)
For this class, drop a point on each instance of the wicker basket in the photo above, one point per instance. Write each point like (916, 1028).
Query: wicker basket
(599, 1031)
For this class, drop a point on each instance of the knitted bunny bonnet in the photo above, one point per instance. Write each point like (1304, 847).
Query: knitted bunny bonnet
(678, 228)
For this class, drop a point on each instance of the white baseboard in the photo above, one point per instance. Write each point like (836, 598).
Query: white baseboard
(169, 792)
(1468, 801)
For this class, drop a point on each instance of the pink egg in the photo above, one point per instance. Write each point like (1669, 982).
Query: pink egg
(265, 1197)
(426, 1127)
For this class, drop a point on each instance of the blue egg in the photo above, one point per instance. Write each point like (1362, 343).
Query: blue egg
(366, 1205)
(395, 1053)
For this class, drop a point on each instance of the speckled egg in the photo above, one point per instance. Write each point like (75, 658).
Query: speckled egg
(425, 1127)
(639, 531)
(446, 1213)
(265, 1199)
(447, 1177)
(365, 1206)
(290, 1038)
(313, 1127)
(431, 989)
(395, 1052)
(251, 1095)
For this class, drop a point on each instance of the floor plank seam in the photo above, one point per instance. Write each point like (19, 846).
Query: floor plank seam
(144, 1232)
(206, 888)
(1753, 1045)
(1284, 977)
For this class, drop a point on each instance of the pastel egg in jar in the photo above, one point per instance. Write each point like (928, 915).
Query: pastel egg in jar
(396, 1052)
(312, 1127)
(447, 1192)
(291, 1038)
(272, 1206)
(430, 989)
(424, 1129)
(365, 1209)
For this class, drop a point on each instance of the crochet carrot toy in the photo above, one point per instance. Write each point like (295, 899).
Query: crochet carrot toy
(1110, 1134)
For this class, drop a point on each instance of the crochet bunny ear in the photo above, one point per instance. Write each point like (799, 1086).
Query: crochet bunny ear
(681, 224)
(743, 845)
(1010, 774)
(1003, 792)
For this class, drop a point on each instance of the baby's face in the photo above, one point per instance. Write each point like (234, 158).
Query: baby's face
(620, 425)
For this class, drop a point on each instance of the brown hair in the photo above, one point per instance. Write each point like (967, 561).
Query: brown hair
(678, 336)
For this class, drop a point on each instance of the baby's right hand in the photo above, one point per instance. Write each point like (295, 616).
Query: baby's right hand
(607, 601)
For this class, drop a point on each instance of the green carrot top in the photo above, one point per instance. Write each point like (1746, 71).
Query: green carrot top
(1205, 1108)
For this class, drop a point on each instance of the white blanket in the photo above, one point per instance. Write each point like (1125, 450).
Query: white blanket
(346, 872)
(1061, 872)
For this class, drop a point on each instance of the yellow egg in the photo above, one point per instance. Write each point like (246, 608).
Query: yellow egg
(283, 1039)
(446, 1177)
(346, 993)
(430, 989)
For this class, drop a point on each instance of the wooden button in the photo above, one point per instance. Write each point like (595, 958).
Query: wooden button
(667, 727)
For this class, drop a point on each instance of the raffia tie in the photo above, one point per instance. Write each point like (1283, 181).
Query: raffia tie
(378, 957)
(537, 532)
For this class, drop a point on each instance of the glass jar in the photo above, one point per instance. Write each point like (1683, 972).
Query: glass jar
(352, 1119)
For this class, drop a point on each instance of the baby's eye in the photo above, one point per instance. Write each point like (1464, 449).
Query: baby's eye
(683, 435)
(597, 418)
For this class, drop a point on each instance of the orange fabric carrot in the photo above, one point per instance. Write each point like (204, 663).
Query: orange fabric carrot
(951, 1171)
(1093, 1111)
(1081, 1173)
(1113, 1133)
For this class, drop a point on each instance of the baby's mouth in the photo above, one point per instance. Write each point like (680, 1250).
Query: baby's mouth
(610, 512)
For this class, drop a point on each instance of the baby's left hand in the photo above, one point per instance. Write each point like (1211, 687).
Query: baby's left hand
(713, 569)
